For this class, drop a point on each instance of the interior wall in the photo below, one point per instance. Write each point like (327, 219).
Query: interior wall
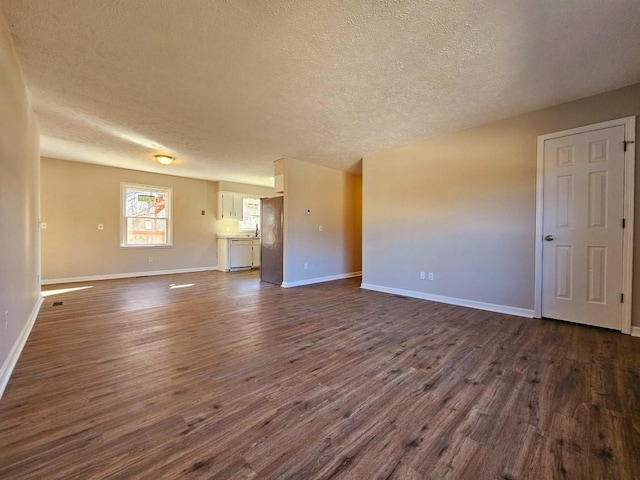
(256, 190)
(76, 197)
(19, 204)
(463, 206)
(334, 199)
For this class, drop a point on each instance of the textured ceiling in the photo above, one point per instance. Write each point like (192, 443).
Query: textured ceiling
(228, 87)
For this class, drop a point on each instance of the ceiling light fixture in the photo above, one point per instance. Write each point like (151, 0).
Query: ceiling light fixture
(164, 159)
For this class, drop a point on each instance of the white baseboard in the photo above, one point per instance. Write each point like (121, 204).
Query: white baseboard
(635, 331)
(16, 350)
(491, 307)
(311, 281)
(111, 276)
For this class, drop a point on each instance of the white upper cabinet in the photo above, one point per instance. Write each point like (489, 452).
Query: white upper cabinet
(230, 206)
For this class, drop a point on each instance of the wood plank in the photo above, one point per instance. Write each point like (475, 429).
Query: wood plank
(232, 378)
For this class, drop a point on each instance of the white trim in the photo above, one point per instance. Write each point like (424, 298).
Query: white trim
(111, 276)
(311, 281)
(537, 301)
(627, 242)
(629, 124)
(16, 350)
(491, 307)
(635, 331)
(123, 219)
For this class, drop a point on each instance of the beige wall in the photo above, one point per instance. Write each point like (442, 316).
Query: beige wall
(334, 198)
(463, 206)
(244, 188)
(19, 243)
(78, 196)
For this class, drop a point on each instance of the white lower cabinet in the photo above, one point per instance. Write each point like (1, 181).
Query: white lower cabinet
(256, 253)
(235, 253)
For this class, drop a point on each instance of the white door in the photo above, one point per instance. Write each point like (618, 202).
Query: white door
(582, 256)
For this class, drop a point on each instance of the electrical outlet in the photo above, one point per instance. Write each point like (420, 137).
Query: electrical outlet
(319, 228)
(430, 275)
(306, 266)
(150, 259)
(422, 276)
(43, 225)
(100, 226)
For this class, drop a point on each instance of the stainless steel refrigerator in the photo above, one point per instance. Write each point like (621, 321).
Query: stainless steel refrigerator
(271, 241)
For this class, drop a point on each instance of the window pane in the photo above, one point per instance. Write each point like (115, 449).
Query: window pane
(250, 213)
(146, 215)
(146, 231)
(251, 207)
(144, 203)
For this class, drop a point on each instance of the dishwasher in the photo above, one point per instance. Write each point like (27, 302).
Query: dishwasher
(240, 253)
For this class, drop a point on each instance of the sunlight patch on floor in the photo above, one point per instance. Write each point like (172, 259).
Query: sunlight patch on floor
(48, 293)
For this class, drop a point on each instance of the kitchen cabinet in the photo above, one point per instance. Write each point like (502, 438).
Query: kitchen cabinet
(230, 206)
(237, 252)
(256, 253)
(223, 254)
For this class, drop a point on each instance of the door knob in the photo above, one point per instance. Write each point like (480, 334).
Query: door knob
(548, 238)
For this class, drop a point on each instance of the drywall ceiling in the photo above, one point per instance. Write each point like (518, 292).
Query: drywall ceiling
(228, 87)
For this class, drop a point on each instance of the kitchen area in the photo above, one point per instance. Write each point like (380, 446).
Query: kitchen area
(240, 237)
(238, 245)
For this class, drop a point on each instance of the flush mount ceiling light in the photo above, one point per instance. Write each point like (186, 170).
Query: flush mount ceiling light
(164, 159)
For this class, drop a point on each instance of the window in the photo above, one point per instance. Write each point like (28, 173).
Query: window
(146, 216)
(250, 213)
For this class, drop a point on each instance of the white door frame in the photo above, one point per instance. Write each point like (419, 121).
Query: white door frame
(627, 243)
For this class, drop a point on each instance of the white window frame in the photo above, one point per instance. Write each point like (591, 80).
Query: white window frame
(123, 218)
(241, 223)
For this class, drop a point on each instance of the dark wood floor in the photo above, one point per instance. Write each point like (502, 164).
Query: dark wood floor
(232, 379)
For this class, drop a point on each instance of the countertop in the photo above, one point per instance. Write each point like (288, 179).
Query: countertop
(243, 236)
